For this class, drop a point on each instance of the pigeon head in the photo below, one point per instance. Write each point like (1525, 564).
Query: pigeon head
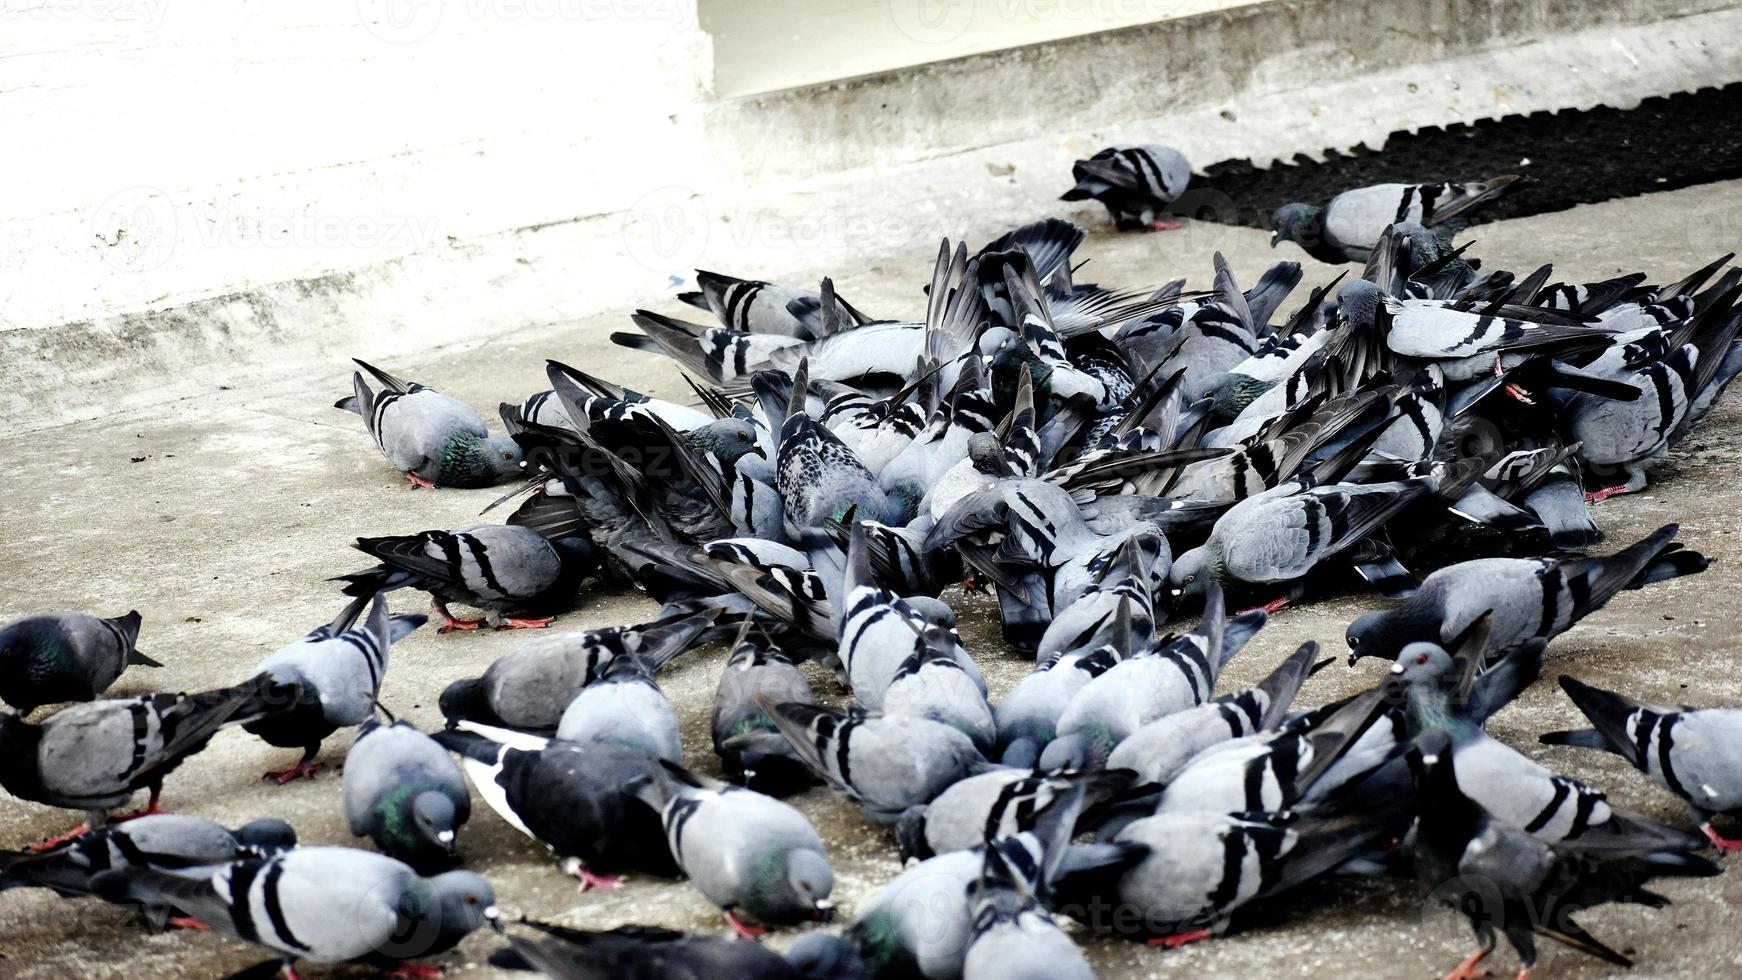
(1021, 753)
(987, 454)
(935, 612)
(1302, 224)
(1360, 301)
(910, 839)
(994, 340)
(266, 836)
(469, 460)
(464, 901)
(1067, 753)
(729, 440)
(1192, 572)
(808, 883)
(1422, 663)
(822, 955)
(432, 818)
(467, 700)
(1383, 634)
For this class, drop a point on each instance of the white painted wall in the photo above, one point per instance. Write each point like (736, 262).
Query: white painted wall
(159, 151)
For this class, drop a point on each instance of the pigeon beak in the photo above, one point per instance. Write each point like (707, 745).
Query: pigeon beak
(446, 839)
(1178, 592)
(758, 450)
(1396, 668)
(1274, 238)
(1353, 657)
(493, 915)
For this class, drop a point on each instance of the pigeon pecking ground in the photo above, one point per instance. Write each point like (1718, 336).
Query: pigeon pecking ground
(245, 502)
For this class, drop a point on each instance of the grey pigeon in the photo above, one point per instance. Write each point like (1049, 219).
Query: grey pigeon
(770, 308)
(1181, 674)
(530, 686)
(517, 576)
(1507, 881)
(435, 440)
(65, 656)
(336, 671)
(1135, 183)
(1692, 752)
(1351, 224)
(886, 765)
(999, 802)
(1157, 751)
(402, 790)
(322, 904)
(1014, 937)
(1279, 536)
(1531, 598)
(95, 756)
(746, 739)
(655, 952)
(575, 798)
(624, 708)
(817, 476)
(1028, 716)
(931, 683)
(755, 857)
(174, 843)
(880, 631)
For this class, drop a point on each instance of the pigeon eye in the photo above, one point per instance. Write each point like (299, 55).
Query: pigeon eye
(1421, 658)
(507, 455)
(471, 899)
(1190, 579)
(1354, 641)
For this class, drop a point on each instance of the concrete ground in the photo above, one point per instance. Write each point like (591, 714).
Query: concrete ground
(220, 517)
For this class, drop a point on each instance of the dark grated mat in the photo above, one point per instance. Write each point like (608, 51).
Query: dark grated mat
(1576, 156)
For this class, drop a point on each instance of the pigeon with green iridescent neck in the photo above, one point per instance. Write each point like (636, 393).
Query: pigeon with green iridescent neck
(403, 791)
(1351, 224)
(65, 656)
(746, 739)
(435, 440)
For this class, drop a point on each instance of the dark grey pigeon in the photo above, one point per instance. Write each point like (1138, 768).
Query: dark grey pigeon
(1695, 753)
(886, 765)
(322, 904)
(402, 790)
(530, 686)
(1280, 535)
(95, 756)
(1348, 227)
(435, 440)
(337, 671)
(1507, 881)
(755, 857)
(65, 656)
(746, 739)
(655, 952)
(817, 476)
(1531, 598)
(517, 576)
(173, 843)
(575, 798)
(1136, 183)
(624, 708)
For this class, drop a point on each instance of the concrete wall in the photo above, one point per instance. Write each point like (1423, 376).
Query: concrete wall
(203, 188)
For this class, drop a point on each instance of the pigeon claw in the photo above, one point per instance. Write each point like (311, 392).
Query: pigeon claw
(415, 971)
(527, 624)
(1728, 845)
(1273, 606)
(418, 481)
(50, 843)
(1518, 393)
(1179, 939)
(591, 880)
(1598, 496)
(188, 922)
(1164, 226)
(744, 930)
(302, 770)
(1471, 969)
(450, 622)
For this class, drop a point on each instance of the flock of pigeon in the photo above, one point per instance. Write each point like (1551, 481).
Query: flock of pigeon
(1102, 461)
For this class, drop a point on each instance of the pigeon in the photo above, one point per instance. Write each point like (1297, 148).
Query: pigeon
(1531, 598)
(1014, 937)
(1135, 183)
(173, 843)
(769, 308)
(336, 671)
(653, 952)
(435, 440)
(529, 687)
(1157, 751)
(575, 798)
(403, 791)
(1000, 802)
(1351, 224)
(1027, 718)
(624, 708)
(931, 683)
(749, 744)
(95, 756)
(321, 904)
(1138, 690)
(755, 857)
(1688, 751)
(1508, 881)
(518, 577)
(886, 765)
(65, 656)
(1279, 536)
(817, 476)
(880, 631)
